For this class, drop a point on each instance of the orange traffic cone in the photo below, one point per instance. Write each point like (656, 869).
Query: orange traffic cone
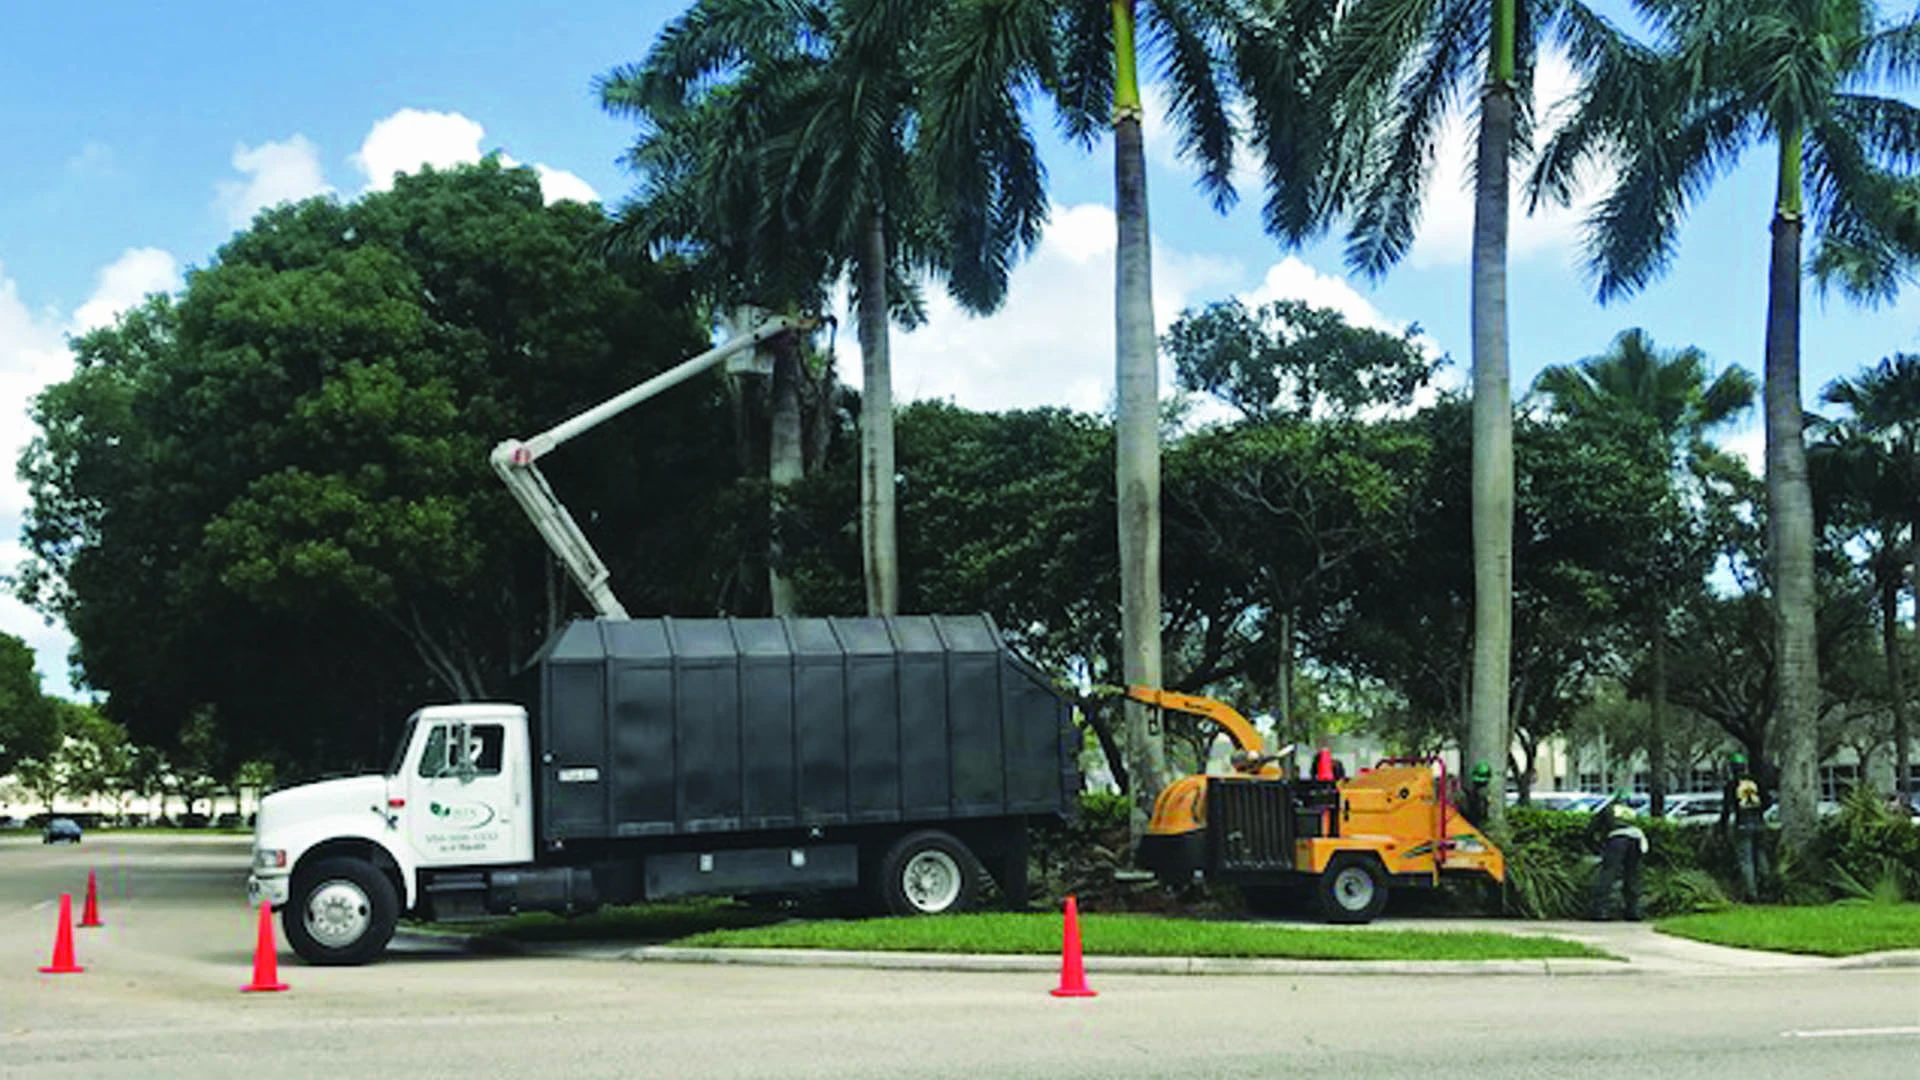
(63, 942)
(266, 958)
(1073, 974)
(91, 916)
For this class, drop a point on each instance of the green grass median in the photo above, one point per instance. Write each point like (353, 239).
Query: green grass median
(1843, 929)
(1139, 935)
(721, 924)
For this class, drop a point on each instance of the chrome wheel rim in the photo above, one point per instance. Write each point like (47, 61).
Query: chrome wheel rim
(338, 914)
(931, 881)
(1353, 888)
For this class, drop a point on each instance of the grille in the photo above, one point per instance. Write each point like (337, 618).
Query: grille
(1251, 824)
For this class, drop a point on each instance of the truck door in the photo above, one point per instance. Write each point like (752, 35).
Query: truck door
(466, 801)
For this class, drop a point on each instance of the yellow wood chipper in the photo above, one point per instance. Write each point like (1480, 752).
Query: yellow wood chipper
(1349, 840)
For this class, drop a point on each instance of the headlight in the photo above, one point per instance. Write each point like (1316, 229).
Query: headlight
(269, 859)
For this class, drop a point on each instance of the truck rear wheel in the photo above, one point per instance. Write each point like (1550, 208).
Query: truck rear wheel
(1353, 888)
(929, 873)
(341, 912)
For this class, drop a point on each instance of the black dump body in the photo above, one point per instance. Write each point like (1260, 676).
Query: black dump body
(673, 727)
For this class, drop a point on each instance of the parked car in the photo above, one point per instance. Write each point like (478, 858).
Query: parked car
(1566, 800)
(61, 831)
(1693, 808)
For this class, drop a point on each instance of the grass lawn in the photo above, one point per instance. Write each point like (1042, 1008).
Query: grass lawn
(710, 923)
(1138, 935)
(1843, 929)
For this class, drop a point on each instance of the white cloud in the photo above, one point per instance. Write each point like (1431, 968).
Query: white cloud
(34, 354)
(1052, 344)
(411, 138)
(276, 172)
(558, 184)
(125, 282)
(1446, 226)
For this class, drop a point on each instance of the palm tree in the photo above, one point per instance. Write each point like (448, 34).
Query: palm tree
(990, 56)
(1874, 454)
(1727, 75)
(1669, 392)
(829, 159)
(708, 194)
(1393, 70)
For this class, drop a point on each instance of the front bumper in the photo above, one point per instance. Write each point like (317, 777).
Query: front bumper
(270, 890)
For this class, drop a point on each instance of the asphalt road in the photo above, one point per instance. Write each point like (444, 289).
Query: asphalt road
(160, 998)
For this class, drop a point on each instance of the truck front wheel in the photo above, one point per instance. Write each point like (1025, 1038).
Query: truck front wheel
(1353, 889)
(341, 912)
(929, 873)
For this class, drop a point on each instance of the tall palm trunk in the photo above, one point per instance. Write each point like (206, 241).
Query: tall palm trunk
(785, 461)
(1790, 520)
(1137, 431)
(879, 548)
(1896, 677)
(1657, 722)
(1487, 723)
(1903, 754)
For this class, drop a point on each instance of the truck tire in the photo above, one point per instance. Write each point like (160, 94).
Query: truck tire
(928, 873)
(1353, 888)
(340, 913)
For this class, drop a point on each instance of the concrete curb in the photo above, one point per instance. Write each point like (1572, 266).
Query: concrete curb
(1121, 965)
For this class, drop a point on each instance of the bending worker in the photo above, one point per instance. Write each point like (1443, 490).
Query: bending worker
(1621, 845)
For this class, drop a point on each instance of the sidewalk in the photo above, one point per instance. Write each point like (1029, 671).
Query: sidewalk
(1641, 951)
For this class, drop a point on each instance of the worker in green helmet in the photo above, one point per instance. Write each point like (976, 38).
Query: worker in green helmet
(1473, 799)
(1744, 803)
(1621, 844)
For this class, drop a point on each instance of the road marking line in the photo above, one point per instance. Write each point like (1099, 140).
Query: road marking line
(1850, 1033)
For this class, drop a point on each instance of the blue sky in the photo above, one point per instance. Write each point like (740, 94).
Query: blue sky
(141, 135)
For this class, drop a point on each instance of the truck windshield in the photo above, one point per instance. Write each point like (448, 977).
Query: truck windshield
(400, 752)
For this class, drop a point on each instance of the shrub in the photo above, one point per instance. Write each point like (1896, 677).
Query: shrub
(1682, 892)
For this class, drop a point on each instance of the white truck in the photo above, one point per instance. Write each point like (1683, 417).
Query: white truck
(900, 759)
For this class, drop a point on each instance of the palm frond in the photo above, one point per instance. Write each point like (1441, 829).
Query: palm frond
(1311, 143)
(1632, 233)
(1387, 213)
(1891, 55)
(1853, 205)
(1620, 80)
(1082, 81)
(1190, 48)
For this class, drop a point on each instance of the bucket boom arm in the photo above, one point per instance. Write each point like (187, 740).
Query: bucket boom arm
(515, 459)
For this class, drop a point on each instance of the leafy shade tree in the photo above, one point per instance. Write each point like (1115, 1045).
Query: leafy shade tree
(271, 497)
(1725, 76)
(1289, 359)
(29, 722)
(1270, 514)
(987, 58)
(1669, 394)
(1871, 460)
(1587, 507)
(1007, 513)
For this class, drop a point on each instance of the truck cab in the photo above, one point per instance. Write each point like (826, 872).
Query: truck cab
(341, 859)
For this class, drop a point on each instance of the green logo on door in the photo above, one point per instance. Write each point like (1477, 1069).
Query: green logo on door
(462, 816)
